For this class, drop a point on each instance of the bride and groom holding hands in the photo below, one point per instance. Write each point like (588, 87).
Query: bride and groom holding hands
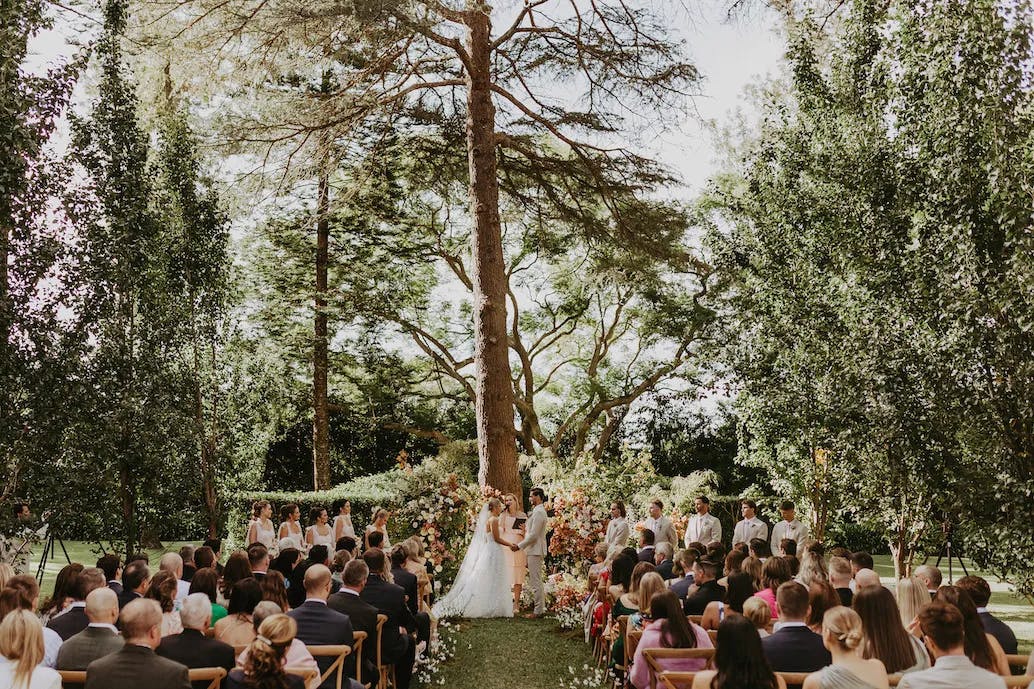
(484, 584)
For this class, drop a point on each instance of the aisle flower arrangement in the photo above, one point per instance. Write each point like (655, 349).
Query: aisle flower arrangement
(566, 593)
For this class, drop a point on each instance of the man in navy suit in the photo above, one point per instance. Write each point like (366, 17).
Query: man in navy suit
(136, 577)
(398, 646)
(407, 580)
(793, 647)
(319, 625)
(646, 539)
(980, 591)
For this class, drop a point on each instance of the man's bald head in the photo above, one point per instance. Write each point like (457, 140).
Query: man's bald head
(102, 606)
(867, 577)
(317, 581)
(141, 622)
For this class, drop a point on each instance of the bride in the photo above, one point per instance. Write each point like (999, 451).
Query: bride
(482, 587)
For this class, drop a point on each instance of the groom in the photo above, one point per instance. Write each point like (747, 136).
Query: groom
(535, 543)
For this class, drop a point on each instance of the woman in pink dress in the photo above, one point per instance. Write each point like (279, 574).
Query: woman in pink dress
(774, 574)
(518, 560)
(669, 628)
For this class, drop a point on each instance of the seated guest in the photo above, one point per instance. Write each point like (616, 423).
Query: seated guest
(337, 566)
(758, 612)
(22, 593)
(662, 558)
(74, 620)
(793, 647)
(318, 555)
(258, 558)
(669, 629)
(861, 560)
(885, 636)
(21, 653)
(788, 546)
(821, 597)
(755, 568)
(236, 628)
(706, 587)
(930, 576)
(646, 547)
(684, 560)
(397, 646)
(206, 581)
(173, 564)
(982, 648)
(136, 664)
(317, 623)
(187, 555)
(347, 543)
(274, 589)
(297, 655)
(286, 560)
(738, 589)
(163, 589)
(912, 597)
(111, 565)
(64, 592)
(99, 638)
(775, 573)
(759, 548)
(374, 539)
(216, 546)
(266, 654)
(237, 568)
(621, 576)
(733, 564)
(409, 583)
(738, 660)
(362, 615)
(866, 577)
(135, 581)
(841, 576)
(204, 558)
(979, 590)
(842, 635)
(650, 585)
(813, 566)
(191, 647)
(945, 638)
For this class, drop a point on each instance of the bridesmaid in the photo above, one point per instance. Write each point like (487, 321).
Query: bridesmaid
(262, 529)
(319, 533)
(343, 520)
(518, 559)
(380, 523)
(289, 527)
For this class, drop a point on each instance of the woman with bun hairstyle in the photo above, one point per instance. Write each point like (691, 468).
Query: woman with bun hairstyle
(264, 663)
(261, 529)
(842, 635)
(290, 528)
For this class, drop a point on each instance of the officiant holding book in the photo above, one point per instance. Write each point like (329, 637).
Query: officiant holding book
(513, 522)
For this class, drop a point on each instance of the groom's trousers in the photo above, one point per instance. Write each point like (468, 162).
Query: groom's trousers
(535, 581)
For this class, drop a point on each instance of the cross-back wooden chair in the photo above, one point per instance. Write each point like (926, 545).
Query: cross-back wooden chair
(386, 672)
(339, 653)
(653, 657)
(72, 679)
(357, 650)
(213, 675)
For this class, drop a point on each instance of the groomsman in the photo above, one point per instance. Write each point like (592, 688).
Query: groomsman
(617, 528)
(750, 526)
(663, 529)
(790, 527)
(703, 527)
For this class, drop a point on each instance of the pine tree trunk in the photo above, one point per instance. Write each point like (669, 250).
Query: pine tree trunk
(497, 449)
(320, 419)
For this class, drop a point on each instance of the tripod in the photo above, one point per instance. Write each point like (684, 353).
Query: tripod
(50, 550)
(946, 551)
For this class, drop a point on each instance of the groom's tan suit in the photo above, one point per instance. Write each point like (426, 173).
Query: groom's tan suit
(535, 544)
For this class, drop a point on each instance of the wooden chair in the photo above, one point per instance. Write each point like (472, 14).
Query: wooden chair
(1018, 661)
(653, 656)
(695, 619)
(1018, 681)
(386, 672)
(339, 652)
(213, 675)
(307, 674)
(620, 671)
(712, 634)
(357, 650)
(677, 680)
(72, 679)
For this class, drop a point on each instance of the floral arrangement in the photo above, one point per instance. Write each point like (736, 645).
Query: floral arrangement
(567, 593)
(577, 527)
(442, 649)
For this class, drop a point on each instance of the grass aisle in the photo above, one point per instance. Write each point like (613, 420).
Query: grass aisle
(513, 654)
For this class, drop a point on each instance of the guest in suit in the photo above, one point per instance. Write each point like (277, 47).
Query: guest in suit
(296, 593)
(841, 576)
(980, 591)
(258, 556)
(266, 654)
(74, 620)
(136, 664)
(408, 581)
(111, 565)
(397, 645)
(646, 546)
(100, 637)
(705, 573)
(191, 647)
(362, 615)
(665, 565)
(684, 560)
(317, 623)
(793, 647)
(944, 637)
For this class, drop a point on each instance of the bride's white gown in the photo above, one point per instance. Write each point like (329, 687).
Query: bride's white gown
(483, 587)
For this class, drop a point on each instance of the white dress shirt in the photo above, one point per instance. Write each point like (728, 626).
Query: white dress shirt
(617, 534)
(703, 528)
(794, 530)
(747, 529)
(51, 645)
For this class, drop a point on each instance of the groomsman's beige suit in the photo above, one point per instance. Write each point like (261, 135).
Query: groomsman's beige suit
(534, 544)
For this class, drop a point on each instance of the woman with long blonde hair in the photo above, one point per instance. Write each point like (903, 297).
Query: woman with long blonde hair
(21, 643)
(264, 664)
(912, 597)
(379, 523)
